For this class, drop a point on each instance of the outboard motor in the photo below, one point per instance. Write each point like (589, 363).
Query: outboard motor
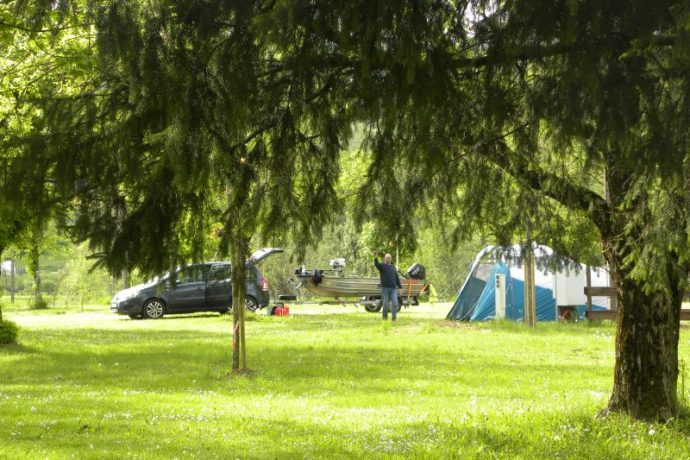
(416, 272)
(337, 264)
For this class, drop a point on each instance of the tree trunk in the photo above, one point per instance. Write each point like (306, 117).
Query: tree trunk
(120, 211)
(647, 330)
(12, 280)
(530, 307)
(239, 251)
(648, 320)
(35, 269)
(2, 249)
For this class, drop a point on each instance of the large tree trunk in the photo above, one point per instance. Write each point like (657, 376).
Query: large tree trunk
(648, 322)
(240, 248)
(646, 369)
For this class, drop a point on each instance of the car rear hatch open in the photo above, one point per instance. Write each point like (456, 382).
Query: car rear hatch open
(262, 253)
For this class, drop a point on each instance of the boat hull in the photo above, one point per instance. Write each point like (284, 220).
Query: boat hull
(341, 286)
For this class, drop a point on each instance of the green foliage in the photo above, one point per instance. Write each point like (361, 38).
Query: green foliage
(473, 119)
(80, 282)
(38, 303)
(497, 119)
(447, 265)
(151, 130)
(8, 332)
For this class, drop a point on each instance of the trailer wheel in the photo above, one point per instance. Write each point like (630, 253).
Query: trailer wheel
(372, 304)
(372, 307)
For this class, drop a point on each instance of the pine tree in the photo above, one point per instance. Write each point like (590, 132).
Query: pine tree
(505, 116)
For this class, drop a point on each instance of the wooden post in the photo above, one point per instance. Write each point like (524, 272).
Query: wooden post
(530, 294)
(589, 285)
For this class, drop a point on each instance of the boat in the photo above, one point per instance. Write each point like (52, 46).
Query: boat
(334, 283)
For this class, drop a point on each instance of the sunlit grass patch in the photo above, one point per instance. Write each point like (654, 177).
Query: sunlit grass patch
(347, 384)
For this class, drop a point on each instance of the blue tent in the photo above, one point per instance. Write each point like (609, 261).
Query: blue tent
(476, 299)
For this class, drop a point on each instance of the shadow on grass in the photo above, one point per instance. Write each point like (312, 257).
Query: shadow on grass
(542, 435)
(274, 434)
(171, 360)
(106, 362)
(341, 322)
(16, 349)
(175, 316)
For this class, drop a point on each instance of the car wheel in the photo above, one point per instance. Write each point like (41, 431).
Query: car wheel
(250, 303)
(154, 309)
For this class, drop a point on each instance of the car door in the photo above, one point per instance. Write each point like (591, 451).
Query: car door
(218, 286)
(189, 292)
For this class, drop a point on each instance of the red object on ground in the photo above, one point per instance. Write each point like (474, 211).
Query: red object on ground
(283, 311)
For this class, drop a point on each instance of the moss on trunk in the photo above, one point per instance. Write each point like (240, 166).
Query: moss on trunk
(647, 332)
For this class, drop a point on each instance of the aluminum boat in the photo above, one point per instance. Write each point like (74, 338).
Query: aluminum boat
(333, 283)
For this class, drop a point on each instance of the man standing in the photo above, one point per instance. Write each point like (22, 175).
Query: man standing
(390, 283)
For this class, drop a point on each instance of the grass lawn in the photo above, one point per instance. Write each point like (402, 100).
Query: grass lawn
(327, 382)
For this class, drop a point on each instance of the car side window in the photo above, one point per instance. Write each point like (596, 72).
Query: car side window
(219, 273)
(193, 274)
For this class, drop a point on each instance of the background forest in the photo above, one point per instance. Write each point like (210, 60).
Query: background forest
(67, 272)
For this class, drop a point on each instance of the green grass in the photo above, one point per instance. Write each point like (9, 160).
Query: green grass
(327, 382)
(55, 304)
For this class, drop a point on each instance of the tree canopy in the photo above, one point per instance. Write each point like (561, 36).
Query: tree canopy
(532, 120)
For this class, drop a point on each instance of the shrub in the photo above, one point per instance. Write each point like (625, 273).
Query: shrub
(8, 332)
(39, 303)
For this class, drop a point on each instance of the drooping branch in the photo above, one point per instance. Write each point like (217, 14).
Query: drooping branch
(561, 189)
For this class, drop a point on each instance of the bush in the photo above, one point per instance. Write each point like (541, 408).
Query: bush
(8, 332)
(39, 303)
